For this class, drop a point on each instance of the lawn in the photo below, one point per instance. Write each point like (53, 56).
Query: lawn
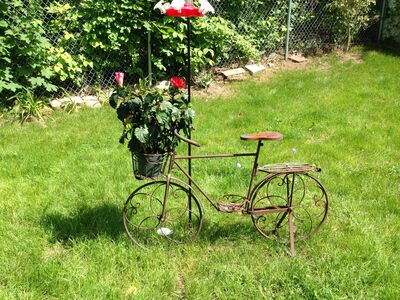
(62, 188)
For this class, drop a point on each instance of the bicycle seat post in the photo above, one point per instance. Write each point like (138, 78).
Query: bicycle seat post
(260, 137)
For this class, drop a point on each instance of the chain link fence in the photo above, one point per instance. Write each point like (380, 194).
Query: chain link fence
(262, 22)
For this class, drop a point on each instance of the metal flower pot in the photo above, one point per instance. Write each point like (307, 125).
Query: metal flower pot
(148, 166)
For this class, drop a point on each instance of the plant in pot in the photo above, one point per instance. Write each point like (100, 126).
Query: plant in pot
(150, 116)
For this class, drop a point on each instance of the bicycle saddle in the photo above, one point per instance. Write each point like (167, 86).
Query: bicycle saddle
(262, 136)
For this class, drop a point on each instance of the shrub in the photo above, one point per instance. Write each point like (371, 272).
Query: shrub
(27, 107)
(392, 22)
(352, 15)
(24, 50)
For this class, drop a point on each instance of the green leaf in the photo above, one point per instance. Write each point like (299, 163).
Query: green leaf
(165, 106)
(142, 134)
(47, 73)
(36, 81)
(190, 113)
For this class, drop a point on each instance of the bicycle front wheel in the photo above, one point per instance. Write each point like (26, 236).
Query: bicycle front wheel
(144, 221)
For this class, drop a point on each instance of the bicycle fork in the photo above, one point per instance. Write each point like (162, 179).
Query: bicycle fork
(162, 217)
(164, 208)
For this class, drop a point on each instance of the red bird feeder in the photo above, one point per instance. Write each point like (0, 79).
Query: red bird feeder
(187, 11)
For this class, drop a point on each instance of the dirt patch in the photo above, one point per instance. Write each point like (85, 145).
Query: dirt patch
(291, 65)
(217, 89)
(350, 56)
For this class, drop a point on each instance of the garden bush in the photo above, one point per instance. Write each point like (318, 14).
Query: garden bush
(351, 15)
(24, 50)
(392, 22)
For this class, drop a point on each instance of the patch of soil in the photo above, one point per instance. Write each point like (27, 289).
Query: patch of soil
(217, 89)
(350, 56)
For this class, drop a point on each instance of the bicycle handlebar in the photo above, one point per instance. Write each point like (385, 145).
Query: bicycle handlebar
(186, 139)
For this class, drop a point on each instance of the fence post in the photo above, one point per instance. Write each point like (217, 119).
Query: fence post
(289, 17)
(150, 72)
(382, 20)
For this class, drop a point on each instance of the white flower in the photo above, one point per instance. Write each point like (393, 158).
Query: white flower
(177, 4)
(206, 7)
(160, 6)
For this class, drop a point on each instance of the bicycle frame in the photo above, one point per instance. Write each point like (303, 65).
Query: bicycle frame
(174, 162)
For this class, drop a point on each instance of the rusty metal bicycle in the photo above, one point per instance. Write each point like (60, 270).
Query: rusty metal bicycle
(288, 201)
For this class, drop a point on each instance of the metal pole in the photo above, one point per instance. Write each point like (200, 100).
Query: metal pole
(382, 20)
(288, 29)
(150, 72)
(189, 29)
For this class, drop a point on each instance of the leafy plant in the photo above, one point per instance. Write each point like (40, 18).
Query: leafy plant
(352, 15)
(204, 79)
(24, 50)
(26, 107)
(392, 22)
(151, 115)
(225, 42)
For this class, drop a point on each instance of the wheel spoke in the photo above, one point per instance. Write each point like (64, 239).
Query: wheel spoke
(308, 200)
(143, 220)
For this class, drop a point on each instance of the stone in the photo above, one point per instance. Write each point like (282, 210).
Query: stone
(233, 72)
(297, 58)
(89, 98)
(62, 100)
(56, 104)
(254, 68)
(275, 57)
(76, 100)
(92, 104)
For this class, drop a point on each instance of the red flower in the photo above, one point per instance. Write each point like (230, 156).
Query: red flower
(177, 82)
(119, 78)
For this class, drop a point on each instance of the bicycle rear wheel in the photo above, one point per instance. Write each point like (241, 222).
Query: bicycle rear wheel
(302, 192)
(143, 220)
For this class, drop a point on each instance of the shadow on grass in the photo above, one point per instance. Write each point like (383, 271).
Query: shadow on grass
(85, 223)
(388, 48)
(212, 232)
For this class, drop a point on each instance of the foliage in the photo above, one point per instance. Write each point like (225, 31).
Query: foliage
(109, 29)
(352, 15)
(267, 32)
(151, 115)
(26, 107)
(225, 41)
(69, 60)
(204, 79)
(169, 47)
(113, 30)
(392, 22)
(24, 51)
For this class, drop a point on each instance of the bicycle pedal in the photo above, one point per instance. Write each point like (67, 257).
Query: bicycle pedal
(230, 207)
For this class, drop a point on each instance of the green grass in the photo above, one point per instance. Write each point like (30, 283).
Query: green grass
(62, 187)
